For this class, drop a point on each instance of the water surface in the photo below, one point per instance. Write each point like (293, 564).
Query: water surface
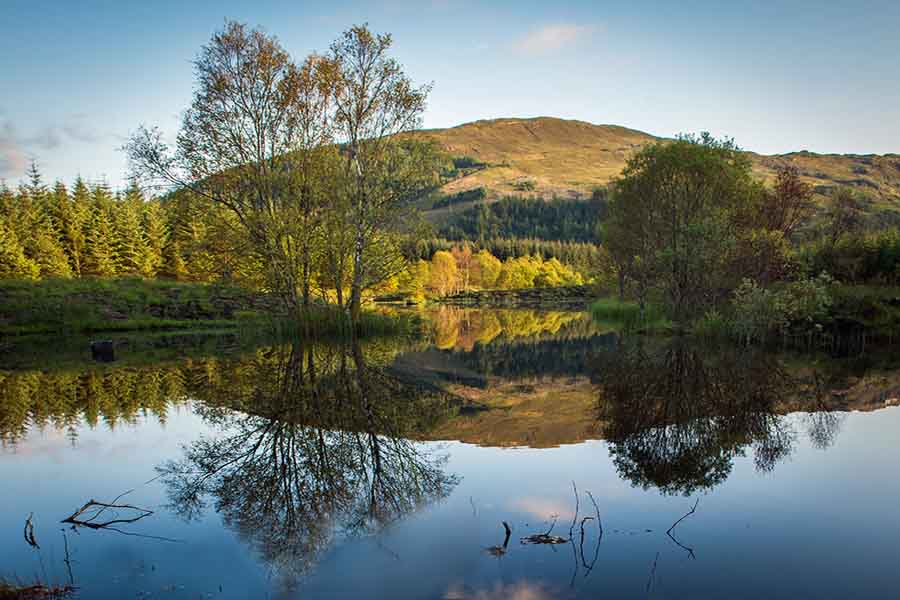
(386, 469)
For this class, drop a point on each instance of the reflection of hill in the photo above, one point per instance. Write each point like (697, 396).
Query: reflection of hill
(516, 377)
(541, 414)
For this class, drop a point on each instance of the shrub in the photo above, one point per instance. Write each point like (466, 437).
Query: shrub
(759, 312)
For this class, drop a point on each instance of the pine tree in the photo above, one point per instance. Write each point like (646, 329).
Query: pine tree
(174, 265)
(13, 262)
(157, 234)
(39, 236)
(69, 215)
(101, 251)
(130, 243)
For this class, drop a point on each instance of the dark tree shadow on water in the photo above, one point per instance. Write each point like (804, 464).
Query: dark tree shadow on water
(676, 415)
(319, 451)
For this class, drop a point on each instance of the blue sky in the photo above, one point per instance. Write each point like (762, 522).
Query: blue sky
(776, 75)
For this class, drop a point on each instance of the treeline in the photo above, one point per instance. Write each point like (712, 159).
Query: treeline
(692, 230)
(460, 268)
(89, 231)
(580, 256)
(476, 195)
(856, 257)
(520, 217)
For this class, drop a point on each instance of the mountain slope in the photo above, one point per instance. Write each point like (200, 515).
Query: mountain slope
(546, 156)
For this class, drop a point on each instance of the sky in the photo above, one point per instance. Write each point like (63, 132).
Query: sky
(778, 75)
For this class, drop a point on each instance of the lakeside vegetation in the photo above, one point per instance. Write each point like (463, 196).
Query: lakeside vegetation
(291, 194)
(694, 234)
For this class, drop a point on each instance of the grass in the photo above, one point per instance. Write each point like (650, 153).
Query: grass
(108, 305)
(627, 316)
(86, 306)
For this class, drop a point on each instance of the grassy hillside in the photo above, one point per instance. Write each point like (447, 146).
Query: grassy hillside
(546, 156)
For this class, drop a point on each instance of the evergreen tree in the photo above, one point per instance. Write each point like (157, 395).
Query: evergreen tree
(13, 262)
(37, 232)
(130, 242)
(101, 248)
(72, 214)
(157, 234)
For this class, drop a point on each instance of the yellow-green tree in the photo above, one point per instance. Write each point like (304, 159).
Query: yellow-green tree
(444, 273)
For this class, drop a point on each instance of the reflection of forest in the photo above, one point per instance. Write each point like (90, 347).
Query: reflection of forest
(114, 395)
(677, 414)
(461, 328)
(526, 386)
(325, 454)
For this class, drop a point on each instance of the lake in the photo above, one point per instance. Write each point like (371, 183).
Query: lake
(622, 466)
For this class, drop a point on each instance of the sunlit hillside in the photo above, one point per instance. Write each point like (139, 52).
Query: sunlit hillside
(547, 156)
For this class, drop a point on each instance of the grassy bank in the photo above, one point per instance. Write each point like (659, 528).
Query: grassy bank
(97, 305)
(81, 307)
(874, 310)
(627, 316)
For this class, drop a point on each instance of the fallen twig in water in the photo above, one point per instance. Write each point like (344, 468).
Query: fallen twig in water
(690, 551)
(67, 560)
(545, 538)
(29, 532)
(499, 551)
(652, 573)
(77, 520)
(91, 523)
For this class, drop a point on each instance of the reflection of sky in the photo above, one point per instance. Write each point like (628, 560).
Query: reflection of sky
(824, 523)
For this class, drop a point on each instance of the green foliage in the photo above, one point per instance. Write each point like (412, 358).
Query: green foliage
(13, 262)
(759, 312)
(475, 195)
(627, 315)
(866, 257)
(712, 326)
(525, 185)
(458, 269)
(467, 162)
(672, 220)
(515, 217)
(583, 257)
(88, 304)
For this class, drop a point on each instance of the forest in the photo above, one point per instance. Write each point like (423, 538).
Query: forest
(554, 219)
(299, 180)
(693, 233)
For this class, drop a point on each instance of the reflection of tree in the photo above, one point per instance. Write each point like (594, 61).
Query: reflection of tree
(676, 417)
(461, 328)
(322, 454)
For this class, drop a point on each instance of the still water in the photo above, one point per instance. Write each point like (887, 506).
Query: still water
(386, 469)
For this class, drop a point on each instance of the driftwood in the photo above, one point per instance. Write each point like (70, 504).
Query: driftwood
(546, 538)
(76, 518)
(690, 551)
(499, 551)
(88, 516)
(28, 532)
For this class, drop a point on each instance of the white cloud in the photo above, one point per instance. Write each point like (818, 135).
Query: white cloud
(552, 37)
(12, 155)
(16, 149)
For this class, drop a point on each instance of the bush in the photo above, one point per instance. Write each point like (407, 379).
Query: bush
(759, 312)
(713, 325)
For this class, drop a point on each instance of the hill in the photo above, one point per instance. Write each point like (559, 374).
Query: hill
(546, 156)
